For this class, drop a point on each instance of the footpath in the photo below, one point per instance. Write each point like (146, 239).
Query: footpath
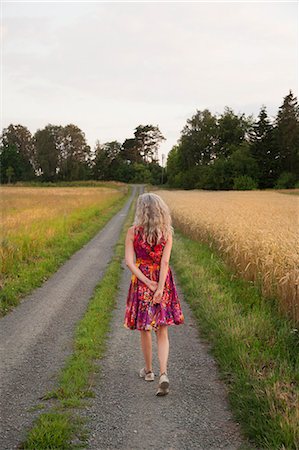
(37, 336)
(126, 413)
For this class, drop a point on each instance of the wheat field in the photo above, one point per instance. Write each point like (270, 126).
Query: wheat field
(256, 231)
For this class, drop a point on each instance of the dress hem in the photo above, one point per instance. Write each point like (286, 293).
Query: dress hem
(150, 327)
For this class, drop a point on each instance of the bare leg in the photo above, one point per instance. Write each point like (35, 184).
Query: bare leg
(163, 347)
(146, 345)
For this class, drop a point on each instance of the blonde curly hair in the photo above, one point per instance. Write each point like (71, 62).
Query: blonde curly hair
(153, 214)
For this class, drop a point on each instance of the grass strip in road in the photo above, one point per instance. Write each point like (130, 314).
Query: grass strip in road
(61, 428)
(81, 227)
(257, 350)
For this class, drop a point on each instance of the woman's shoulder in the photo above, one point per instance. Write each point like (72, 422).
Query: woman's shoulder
(132, 229)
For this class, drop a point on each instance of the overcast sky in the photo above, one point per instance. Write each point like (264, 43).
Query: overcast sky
(109, 67)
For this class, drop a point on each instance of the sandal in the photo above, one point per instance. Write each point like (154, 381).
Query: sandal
(148, 376)
(163, 388)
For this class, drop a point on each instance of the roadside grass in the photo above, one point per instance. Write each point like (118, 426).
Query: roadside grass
(83, 183)
(45, 258)
(257, 349)
(61, 428)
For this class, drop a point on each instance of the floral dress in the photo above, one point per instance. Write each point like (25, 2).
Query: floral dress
(141, 313)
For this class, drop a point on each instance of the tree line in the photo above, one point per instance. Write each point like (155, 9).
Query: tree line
(227, 151)
(56, 153)
(232, 151)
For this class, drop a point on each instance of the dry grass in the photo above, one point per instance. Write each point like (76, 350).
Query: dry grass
(32, 216)
(256, 231)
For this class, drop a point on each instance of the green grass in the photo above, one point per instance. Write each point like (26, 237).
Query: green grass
(257, 349)
(54, 431)
(43, 261)
(61, 428)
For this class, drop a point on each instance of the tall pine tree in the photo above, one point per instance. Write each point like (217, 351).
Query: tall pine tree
(287, 135)
(263, 149)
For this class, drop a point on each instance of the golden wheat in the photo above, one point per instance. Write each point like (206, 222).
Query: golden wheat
(257, 232)
(31, 216)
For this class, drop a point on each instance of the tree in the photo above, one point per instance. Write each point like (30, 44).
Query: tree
(197, 141)
(9, 173)
(172, 166)
(156, 172)
(74, 154)
(130, 151)
(287, 135)
(46, 143)
(148, 138)
(109, 163)
(232, 131)
(244, 182)
(10, 157)
(263, 150)
(101, 163)
(20, 138)
(142, 174)
(219, 175)
(242, 162)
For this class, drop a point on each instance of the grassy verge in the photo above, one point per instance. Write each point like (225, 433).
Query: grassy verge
(60, 428)
(257, 350)
(83, 183)
(81, 226)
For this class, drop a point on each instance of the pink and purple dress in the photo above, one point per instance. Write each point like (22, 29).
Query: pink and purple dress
(141, 313)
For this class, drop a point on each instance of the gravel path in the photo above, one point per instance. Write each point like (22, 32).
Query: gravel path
(37, 336)
(126, 414)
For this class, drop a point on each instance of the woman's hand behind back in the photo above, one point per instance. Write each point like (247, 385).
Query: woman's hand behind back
(152, 285)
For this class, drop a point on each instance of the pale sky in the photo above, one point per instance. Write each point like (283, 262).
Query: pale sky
(111, 66)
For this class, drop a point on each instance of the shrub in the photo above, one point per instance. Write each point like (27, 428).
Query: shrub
(244, 182)
(286, 180)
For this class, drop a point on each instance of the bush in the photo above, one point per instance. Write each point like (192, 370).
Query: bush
(244, 182)
(286, 180)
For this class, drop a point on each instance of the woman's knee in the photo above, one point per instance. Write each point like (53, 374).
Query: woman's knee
(162, 330)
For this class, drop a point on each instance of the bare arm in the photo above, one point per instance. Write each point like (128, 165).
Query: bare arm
(164, 266)
(129, 258)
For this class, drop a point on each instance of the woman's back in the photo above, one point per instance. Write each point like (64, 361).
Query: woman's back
(145, 251)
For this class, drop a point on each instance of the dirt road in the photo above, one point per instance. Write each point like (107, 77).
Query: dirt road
(126, 414)
(36, 337)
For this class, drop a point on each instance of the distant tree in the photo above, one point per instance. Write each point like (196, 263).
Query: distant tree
(287, 135)
(263, 149)
(9, 173)
(109, 163)
(242, 162)
(47, 147)
(219, 174)
(11, 158)
(131, 151)
(156, 172)
(197, 142)
(101, 163)
(20, 138)
(148, 138)
(232, 130)
(142, 174)
(172, 166)
(286, 180)
(74, 154)
(244, 182)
